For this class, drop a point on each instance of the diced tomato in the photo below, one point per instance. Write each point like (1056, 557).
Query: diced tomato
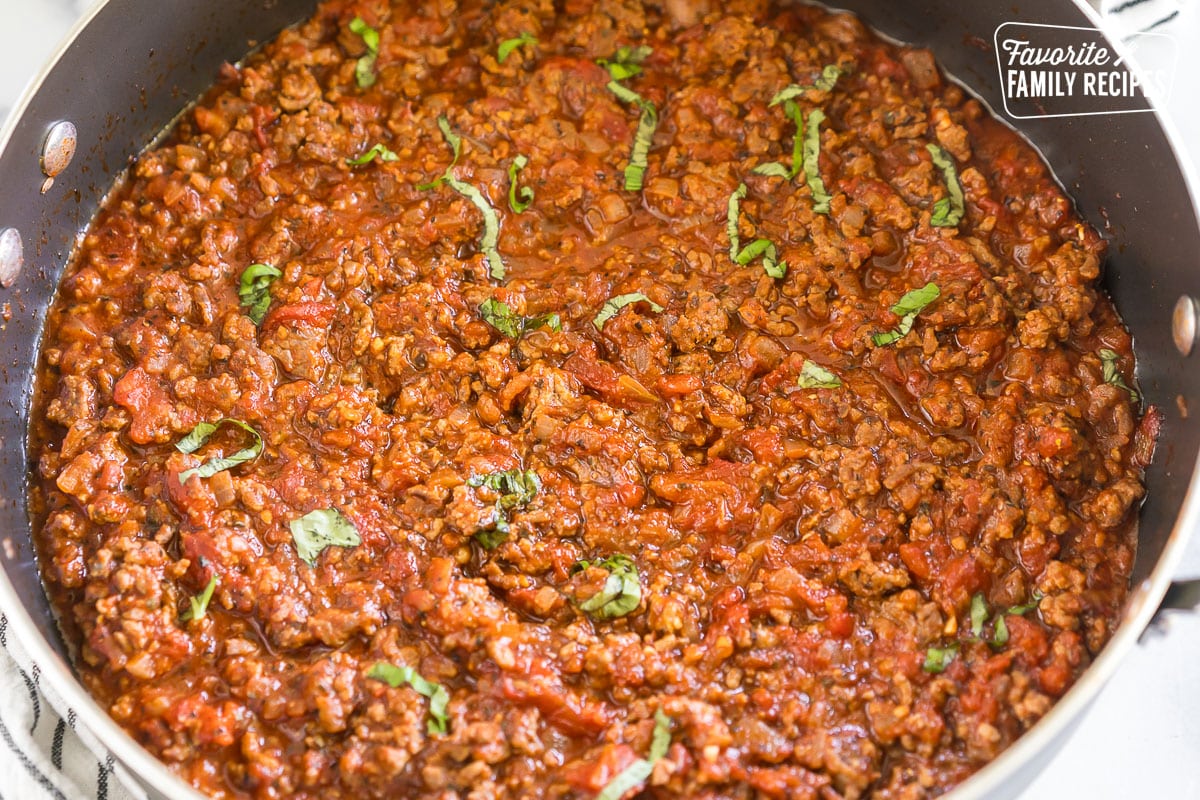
(316, 314)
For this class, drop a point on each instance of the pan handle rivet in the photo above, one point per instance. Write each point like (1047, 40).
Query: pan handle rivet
(59, 148)
(12, 256)
(1183, 324)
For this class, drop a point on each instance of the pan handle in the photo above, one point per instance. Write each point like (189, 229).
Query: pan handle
(1181, 596)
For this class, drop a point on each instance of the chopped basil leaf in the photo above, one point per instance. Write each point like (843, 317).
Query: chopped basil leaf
(615, 304)
(773, 169)
(377, 150)
(938, 658)
(364, 70)
(812, 153)
(316, 530)
(1022, 610)
(999, 632)
(491, 226)
(908, 307)
(1108, 361)
(508, 45)
(516, 488)
(455, 142)
(622, 590)
(201, 434)
(759, 247)
(776, 169)
(948, 211)
(511, 324)
(491, 222)
(766, 249)
(636, 773)
(452, 138)
(626, 62)
(825, 83)
(979, 612)
(1000, 626)
(643, 138)
(798, 140)
(624, 93)
(199, 603)
(439, 698)
(731, 221)
(518, 199)
(915, 301)
(253, 290)
(660, 739)
(493, 537)
(814, 376)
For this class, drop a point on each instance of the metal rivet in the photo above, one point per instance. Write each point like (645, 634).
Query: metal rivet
(1183, 324)
(12, 256)
(59, 148)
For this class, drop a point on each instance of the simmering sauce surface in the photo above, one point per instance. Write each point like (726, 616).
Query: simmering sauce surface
(585, 500)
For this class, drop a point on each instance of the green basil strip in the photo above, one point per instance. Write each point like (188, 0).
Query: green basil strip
(626, 62)
(201, 434)
(775, 169)
(979, 612)
(624, 93)
(439, 698)
(1108, 362)
(733, 212)
(908, 307)
(814, 376)
(772, 169)
(364, 70)
(798, 140)
(452, 138)
(759, 247)
(636, 773)
(490, 240)
(491, 226)
(615, 304)
(812, 154)
(517, 488)
(1000, 626)
(199, 603)
(635, 171)
(622, 590)
(316, 530)
(508, 45)
(643, 138)
(254, 290)
(948, 211)
(999, 632)
(518, 199)
(938, 658)
(825, 83)
(1024, 609)
(766, 249)
(498, 314)
(455, 142)
(377, 151)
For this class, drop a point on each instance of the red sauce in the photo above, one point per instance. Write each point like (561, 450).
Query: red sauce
(808, 557)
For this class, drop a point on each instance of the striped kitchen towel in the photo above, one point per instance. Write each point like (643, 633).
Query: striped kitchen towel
(44, 755)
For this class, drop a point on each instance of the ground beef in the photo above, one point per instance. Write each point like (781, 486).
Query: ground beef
(863, 587)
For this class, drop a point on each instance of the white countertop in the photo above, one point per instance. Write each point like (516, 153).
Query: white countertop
(1142, 736)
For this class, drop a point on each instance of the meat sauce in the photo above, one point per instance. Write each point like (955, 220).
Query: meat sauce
(783, 522)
